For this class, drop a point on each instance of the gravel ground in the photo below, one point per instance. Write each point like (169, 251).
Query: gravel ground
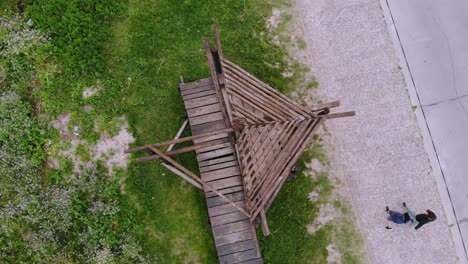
(381, 150)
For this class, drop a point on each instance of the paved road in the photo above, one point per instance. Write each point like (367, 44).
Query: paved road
(380, 152)
(434, 38)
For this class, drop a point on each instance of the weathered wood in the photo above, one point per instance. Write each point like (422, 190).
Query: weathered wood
(215, 153)
(197, 83)
(206, 118)
(233, 237)
(219, 166)
(221, 173)
(182, 175)
(208, 127)
(337, 115)
(227, 218)
(197, 90)
(206, 139)
(216, 161)
(180, 140)
(224, 209)
(323, 106)
(254, 261)
(203, 110)
(179, 133)
(199, 94)
(238, 257)
(217, 201)
(226, 182)
(236, 247)
(205, 185)
(214, 75)
(265, 228)
(213, 144)
(224, 191)
(201, 101)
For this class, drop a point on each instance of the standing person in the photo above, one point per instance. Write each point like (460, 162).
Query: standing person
(396, 217)
(422, 219)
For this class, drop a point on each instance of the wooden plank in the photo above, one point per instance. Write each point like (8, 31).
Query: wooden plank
(238, 257)
(234, 189)
(205, 185)
(180, 140)
(254, 261)
(227, 218)
(205, 145)
(206, 139)
(235, 247)
(195, 84)
(337, 115)
(214, 145)
(233, 238)
(215, 153)
(216, 161)
(199, 94)
(216, 201)
(219, 166)
(224, 209)
(270, 91)
(202, 101)
(206, 109)
(206, 118)
(230, 228)
(226, 182)
(197, 90)
(208, 127)
(221, 173)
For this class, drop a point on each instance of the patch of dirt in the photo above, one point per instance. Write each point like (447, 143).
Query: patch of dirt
(273, 21)
(108, 149)
(326, 214)
(90, 91)
(61, 124)
(334, 256)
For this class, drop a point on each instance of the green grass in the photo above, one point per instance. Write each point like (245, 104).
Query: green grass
(288, 218)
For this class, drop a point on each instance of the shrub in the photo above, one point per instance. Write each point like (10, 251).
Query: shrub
(78, 29)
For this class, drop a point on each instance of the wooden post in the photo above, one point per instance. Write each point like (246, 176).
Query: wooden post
(265, 229)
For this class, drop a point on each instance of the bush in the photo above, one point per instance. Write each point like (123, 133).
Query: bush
(78, 29)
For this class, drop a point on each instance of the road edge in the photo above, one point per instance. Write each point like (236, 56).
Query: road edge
(427, 139)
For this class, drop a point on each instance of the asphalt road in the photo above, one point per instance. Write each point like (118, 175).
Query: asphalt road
(434, 38)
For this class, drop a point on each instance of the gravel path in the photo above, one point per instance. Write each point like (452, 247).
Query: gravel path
(381, 150)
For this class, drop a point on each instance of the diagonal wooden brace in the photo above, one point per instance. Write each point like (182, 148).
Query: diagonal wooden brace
(198, 179)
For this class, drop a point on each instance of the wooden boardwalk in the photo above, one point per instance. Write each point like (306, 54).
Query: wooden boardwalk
(234, 235)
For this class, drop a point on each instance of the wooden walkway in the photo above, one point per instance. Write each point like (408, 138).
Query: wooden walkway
(234, 235)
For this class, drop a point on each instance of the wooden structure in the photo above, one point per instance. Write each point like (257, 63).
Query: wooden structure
(247, 137)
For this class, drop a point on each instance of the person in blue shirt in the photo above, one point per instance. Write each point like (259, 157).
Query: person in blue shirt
(397, 217)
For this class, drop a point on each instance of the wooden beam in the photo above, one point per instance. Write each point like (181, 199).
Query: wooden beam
(181, 130)
(326, 105)
(183, 150)
(182, 175)
(337, 115)
(265, 228)
(185, 139)
(198, 179)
